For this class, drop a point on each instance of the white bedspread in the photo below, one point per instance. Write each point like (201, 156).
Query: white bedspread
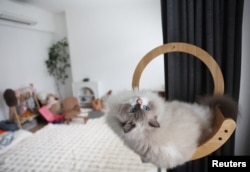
(76, 147)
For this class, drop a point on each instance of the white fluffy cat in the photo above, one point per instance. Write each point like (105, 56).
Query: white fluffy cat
(165, 134)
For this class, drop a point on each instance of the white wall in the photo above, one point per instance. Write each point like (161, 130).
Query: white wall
(107, 41)
(242, 131)
(23, 51)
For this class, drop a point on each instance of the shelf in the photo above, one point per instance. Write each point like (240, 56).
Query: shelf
(85, 92)
(26, 108)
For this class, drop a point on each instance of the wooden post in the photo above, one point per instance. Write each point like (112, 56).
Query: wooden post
(13, 112)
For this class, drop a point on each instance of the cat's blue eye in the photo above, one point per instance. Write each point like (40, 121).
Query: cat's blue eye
(132, 110)
(147, 108)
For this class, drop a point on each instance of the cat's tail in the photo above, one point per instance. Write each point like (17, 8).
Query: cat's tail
(227, 105)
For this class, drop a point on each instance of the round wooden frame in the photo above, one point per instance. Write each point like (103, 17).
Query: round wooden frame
(223, 128)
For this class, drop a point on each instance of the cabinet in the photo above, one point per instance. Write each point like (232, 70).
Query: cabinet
(85, 92)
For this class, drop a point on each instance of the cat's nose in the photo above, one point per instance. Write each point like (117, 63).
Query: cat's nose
(139, 101)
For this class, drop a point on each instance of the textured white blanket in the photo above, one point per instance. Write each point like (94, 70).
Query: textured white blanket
(76, 147)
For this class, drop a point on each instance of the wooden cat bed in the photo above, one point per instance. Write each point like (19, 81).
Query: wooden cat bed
(223, 127)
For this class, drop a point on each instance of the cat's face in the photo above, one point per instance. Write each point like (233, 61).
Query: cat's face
(137, 110)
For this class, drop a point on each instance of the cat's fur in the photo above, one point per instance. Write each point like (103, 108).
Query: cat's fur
(165, 134)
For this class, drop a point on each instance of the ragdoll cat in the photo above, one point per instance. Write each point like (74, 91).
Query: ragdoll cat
(165, 134)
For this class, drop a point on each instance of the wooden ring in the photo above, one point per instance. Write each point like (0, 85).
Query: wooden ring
(196, 51)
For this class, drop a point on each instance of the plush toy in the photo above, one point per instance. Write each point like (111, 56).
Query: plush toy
(71, 108)
(51, 101)
(42, 95)
(53, 104)
(99, 104)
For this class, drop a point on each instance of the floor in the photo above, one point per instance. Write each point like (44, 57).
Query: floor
(38, 127)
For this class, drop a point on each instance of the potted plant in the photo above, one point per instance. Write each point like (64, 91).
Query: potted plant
(58, 62)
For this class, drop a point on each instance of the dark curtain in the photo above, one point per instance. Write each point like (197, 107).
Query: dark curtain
(215, 26)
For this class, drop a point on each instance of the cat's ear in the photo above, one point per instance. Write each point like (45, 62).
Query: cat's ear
(154, 123)
(128, 126)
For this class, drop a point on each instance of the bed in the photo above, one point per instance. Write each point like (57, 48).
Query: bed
(77, 147)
